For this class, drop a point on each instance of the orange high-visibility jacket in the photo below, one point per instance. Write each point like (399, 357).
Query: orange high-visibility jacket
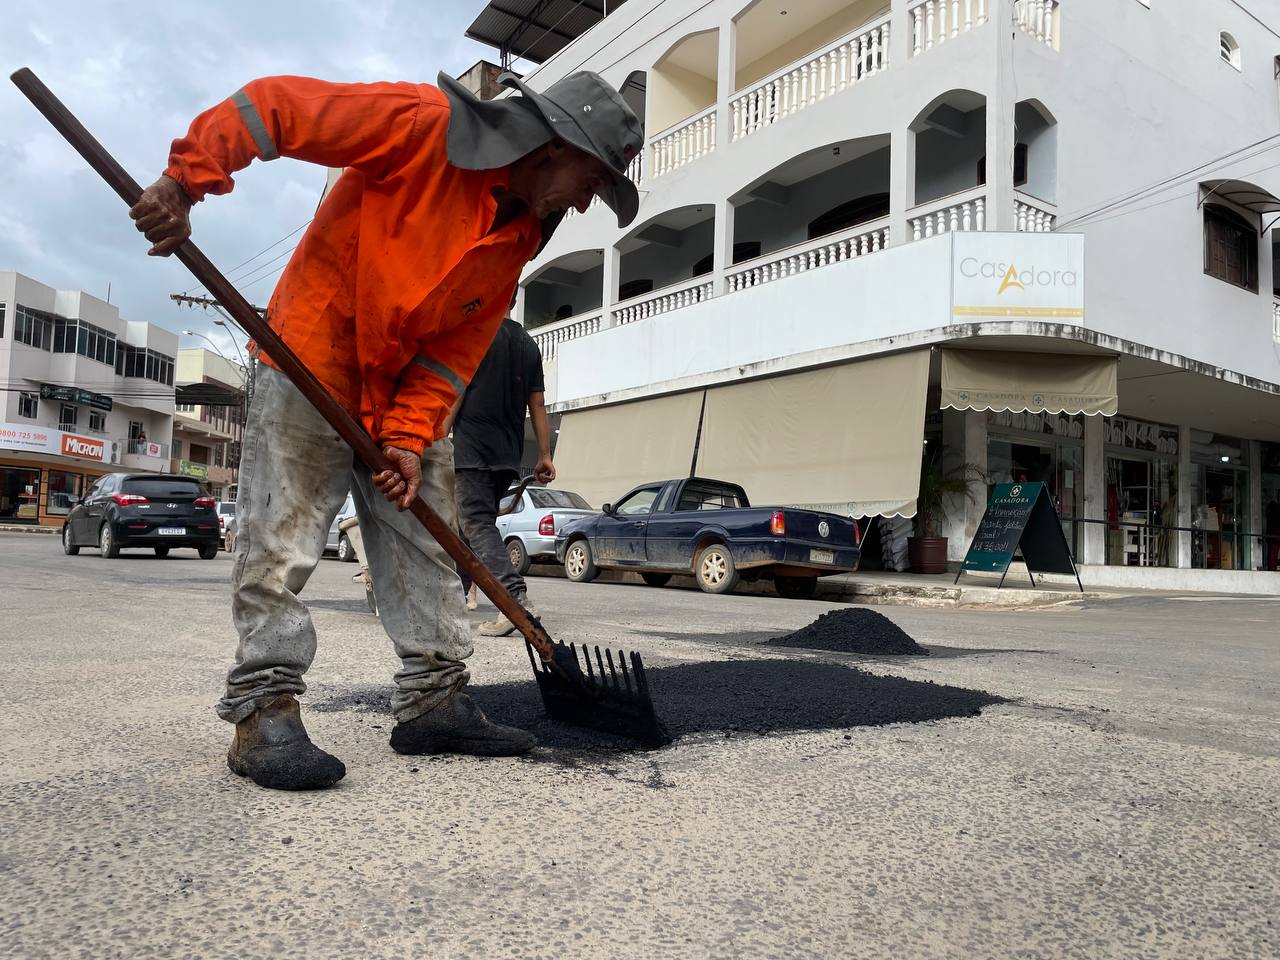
(397, 287)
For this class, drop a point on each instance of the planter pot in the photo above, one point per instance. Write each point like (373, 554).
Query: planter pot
(928, 554)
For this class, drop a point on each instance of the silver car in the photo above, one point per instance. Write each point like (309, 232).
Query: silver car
(337, 541)
(529, 530)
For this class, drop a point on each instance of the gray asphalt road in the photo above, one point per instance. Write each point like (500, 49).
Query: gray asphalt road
(1121, 800)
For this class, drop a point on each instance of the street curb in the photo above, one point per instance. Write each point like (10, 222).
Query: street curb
(23, 528)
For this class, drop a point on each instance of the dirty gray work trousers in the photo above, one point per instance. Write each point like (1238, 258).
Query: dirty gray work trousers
(479, 494)
(294, 475)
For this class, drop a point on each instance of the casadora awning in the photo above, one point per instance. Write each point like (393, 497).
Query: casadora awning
(1034, 382)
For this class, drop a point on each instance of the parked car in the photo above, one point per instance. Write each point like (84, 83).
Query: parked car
(708, 528)
(337, 541)
(227, 523)
(529, 529)
(125, 510)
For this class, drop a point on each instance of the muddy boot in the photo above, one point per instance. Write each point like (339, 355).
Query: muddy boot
(459, 726)
(271, 748)
(471, 598)
(501, 626)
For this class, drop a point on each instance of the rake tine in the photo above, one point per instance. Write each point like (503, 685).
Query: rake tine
(613, 673)
(604, 682)
(528, 648)
(586, 658)
(642, 681)
(626, 677)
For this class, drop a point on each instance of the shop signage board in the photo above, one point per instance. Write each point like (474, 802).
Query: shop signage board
(1020, 517)
(191, 469)
(1018, 276)
(88, 398)
(28, 438)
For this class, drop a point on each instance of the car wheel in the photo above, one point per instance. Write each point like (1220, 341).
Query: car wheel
(656, 579)
(229, 541)
(715, 570)
(796, 588)
(579, 566)
(107, 542)
(162, 551)
(346, 552)
(68, 547)
(518, 556)
(208, 551)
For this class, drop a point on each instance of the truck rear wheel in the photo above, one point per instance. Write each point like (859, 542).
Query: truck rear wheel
(796, 588)
(715, 570)
(579, 565)
(656, 579)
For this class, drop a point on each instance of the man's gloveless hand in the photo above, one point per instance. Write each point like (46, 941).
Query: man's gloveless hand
(400, 485)
(544, 471)
(162, 214)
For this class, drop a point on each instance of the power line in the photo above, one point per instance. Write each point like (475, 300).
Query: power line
(1258, 20)
(272, 246)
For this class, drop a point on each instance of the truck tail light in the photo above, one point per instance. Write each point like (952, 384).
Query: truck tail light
(778, 524)
(857, 534)
(128, 499)
(547, 525)
(203, 502)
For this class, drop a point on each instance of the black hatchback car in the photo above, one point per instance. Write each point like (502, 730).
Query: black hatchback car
(143, 510)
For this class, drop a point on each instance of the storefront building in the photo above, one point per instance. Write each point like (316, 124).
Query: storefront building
(44, 471)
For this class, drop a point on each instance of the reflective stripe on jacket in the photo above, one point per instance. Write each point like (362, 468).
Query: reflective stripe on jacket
(397, 287)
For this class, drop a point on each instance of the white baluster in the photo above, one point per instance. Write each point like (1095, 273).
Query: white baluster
(955, 218)
(915, 229)
(968, 15)
(982, 12)
(917, 31)
(884, 48)
(980, 216)
(929, 24)
(966, 220)
(1050, 7)
(942, 21)
(1020, 210)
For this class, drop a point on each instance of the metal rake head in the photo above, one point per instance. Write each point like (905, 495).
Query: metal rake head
(604, 696)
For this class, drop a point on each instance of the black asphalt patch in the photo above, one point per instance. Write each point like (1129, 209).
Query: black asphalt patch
(852, 630)
(724, 698)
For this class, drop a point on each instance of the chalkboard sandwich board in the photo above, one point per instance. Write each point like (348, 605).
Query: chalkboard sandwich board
(1020, 516)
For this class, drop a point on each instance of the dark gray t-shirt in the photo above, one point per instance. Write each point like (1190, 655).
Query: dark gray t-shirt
(489, 430)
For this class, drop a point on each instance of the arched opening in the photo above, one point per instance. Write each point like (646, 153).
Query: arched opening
(666, 250)
(771, 34)
(951, 143)
(1035, 159)
(1229, 50)
(566, 287)
(682, 83)
(834, 188)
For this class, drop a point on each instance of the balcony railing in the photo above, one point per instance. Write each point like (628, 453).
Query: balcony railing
(549, 337)
(829, 71)
(959, 212)
(662, 301)
(145, 448)
(857, 241)
(1039, 19)
(635, 170)
(936, 21)
(1033, 215)
(683, 143)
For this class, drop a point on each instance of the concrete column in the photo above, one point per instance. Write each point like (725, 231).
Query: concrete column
(1093, 538)
(964, 440)
(517, 311)
(723, 245)
(902, 183)
(609, 296)
(1000, 214)
(1184, 495)
(900, 34)
(726, 80)
(1257, 548)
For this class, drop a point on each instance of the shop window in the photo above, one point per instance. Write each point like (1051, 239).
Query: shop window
(97, 422)
(1220, 505)
(2, 306)
(33, 327)
(64, 492)
(28, 405)
(1019, 166)
(68, 416)
(850, 214)
(217, 455)
(19, 494)
(1230, 247)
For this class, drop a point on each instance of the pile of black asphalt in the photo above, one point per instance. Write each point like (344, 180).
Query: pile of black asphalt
(853, 630)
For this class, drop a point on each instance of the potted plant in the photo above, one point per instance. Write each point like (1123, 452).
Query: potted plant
(928, 550)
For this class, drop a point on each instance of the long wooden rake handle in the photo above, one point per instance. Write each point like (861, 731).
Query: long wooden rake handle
(203, 270)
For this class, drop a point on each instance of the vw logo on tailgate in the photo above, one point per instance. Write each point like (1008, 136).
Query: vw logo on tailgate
(824, 529)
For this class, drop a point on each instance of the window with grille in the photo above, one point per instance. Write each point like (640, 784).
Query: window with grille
(1230, 247)
(68, 416)
(1228, 49)
(28, 405)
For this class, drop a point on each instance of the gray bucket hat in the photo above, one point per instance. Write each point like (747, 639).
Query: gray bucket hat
(582, 109)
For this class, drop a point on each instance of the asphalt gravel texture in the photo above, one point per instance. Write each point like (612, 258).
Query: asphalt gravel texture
(853, 630)
(1080, 783)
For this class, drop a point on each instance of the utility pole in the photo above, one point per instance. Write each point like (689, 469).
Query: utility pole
(185, 301)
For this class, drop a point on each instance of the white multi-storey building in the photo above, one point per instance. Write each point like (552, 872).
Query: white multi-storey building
(85, 393)
(829, 280)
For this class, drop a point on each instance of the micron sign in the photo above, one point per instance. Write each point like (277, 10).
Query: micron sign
(89, 448)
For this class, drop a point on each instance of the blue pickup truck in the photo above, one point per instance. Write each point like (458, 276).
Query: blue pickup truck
(708, 528)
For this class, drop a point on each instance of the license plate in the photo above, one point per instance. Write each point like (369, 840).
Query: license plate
(172, 531)
(821, 556)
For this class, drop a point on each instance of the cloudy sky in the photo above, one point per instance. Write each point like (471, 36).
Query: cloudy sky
(135, 72)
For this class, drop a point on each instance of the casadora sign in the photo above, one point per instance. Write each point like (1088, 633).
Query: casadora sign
(1029, 276)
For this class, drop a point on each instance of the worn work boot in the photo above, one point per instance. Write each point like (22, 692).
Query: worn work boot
(271, 748)
(501, 626)
(471, 598)
(459, 726)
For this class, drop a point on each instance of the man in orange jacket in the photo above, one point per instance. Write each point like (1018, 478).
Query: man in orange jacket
(391, 298)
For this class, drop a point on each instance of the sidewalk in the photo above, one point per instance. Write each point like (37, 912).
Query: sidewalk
(27, 528)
